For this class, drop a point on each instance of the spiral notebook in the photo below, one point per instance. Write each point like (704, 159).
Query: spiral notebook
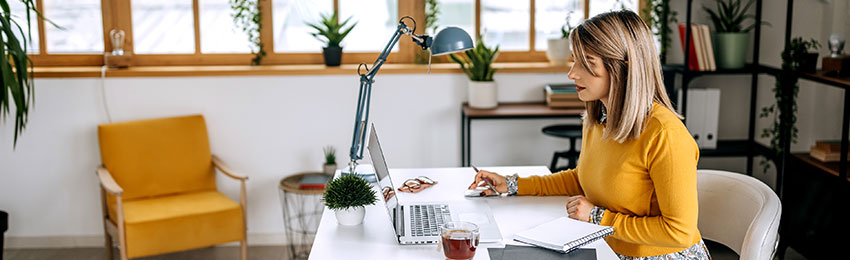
(563, 234)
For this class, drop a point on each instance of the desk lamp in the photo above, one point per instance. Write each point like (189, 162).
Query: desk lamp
(448, 40)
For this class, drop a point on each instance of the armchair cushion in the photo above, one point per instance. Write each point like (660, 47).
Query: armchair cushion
(178, 222)
(150, 158)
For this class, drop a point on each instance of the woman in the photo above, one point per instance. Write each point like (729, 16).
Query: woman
(637, 169)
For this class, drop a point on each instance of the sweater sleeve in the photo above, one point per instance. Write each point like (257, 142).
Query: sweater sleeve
(672, 161)
(559, 183)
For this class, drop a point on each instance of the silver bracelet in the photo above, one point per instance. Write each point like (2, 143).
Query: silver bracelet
(596, 214)
(512, 184)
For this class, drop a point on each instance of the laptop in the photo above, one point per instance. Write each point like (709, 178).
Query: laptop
(420, 223)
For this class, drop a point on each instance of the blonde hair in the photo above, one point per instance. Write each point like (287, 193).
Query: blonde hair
(626, 47)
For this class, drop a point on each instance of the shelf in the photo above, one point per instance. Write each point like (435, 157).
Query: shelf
(829, 167)
(819, 76)
(733, 148)
(748, 69)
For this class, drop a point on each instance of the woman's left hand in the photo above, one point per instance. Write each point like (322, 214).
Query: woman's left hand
(578, 207)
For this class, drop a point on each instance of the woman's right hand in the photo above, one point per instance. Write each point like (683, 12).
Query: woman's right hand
(499, 182)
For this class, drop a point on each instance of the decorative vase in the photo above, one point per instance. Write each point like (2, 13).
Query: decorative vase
(558, 51)
(809, 62)
(329, 169)
(333, 55)
(482, 94)
(731, 50)
(351, 216)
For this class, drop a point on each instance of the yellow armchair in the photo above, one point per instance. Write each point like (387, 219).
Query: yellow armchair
(158, 189)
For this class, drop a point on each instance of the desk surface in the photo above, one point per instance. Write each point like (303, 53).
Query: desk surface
(526, 109)
(374, 239)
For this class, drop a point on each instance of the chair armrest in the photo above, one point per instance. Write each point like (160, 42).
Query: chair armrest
(107, 182)
(226, 170)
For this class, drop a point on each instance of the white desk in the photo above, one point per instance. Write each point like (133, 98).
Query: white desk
(375, 238)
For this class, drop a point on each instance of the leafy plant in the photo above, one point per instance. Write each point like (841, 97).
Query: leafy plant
(784, 111)
(348, 191)
(658, 16)
(328, 31)
(432, 10)
(729, 16)
(478, 62)
(248, 17)
(16, 67)
(330, 154)
(567, 28)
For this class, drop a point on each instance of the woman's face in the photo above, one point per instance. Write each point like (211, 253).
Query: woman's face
(589, 87)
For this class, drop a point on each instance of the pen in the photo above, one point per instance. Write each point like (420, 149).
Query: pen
(487, 181)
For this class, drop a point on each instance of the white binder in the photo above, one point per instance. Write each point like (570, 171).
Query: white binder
(711, 99)
(695, 116)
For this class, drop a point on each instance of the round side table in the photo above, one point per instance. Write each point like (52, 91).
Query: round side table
(302, 212)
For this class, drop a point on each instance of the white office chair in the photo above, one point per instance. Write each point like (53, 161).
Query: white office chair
(739, 212)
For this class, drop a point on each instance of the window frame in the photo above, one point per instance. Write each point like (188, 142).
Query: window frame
(117, 14)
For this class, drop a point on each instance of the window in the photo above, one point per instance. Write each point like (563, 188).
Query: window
(202, 32)
(19, 15)
(163, 26)
(81, 31)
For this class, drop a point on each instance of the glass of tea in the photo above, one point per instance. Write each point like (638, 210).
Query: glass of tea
(459, 239)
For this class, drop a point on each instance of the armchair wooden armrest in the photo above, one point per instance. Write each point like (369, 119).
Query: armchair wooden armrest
(107, 182)
(226, 170)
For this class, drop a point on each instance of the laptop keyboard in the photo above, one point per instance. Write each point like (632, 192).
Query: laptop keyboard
(427, 219)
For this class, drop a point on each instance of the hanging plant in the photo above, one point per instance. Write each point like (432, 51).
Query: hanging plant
(658, 16)
(248, 17)
(784, 111)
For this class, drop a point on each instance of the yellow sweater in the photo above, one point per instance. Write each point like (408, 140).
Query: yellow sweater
(648, 186)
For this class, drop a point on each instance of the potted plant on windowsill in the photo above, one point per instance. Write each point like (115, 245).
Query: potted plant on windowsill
(330, 160)
(477, 63)
(558, 49)
(731, 37)
(331, 32)
(347, 196)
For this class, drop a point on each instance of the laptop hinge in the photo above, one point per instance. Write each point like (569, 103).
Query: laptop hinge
(400, 221)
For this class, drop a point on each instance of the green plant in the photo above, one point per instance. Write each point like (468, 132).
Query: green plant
(784, 111)
(567, 28)
(348, 191)
(478, 63)
(658, 16)
(16, 67)
(729, 16)
(248, 17)
(432, 10)
(328, 31)
(330, 154)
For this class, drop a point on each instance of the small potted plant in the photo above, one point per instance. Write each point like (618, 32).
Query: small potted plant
(731, 37)
(477, 63)
(330, 160)
(347, 196)
(331, 32)
(558, 49)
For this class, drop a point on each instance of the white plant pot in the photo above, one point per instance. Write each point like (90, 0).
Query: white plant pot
(329, 169)
(558, 51)
(350, 216)
(482, 94)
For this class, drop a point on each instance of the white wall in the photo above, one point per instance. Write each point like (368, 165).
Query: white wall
(266, 127)
(271, 127)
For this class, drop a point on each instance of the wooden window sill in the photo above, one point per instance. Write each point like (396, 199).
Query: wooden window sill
(274, 70)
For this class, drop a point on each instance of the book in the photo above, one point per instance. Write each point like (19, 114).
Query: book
(313, 181)
(829, 146)
(697, 39)
(693, 63)
(529, 252)
(560, 88)
(563, 234)
(825, 156)
(712, 64)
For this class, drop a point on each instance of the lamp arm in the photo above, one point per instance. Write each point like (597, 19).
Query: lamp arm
(365, 96)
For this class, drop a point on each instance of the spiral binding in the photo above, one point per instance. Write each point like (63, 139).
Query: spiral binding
(592, 237)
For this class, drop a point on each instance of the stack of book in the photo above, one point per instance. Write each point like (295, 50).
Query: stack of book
(826, 151)
(562, 96)
(314, 181)
(701, 54)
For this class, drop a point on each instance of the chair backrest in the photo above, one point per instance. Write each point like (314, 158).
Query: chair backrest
(158, 156)
(738, 211)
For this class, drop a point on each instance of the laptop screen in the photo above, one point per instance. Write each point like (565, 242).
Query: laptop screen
(384, 181)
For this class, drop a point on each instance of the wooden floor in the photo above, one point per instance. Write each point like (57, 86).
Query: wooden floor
(718, 252)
